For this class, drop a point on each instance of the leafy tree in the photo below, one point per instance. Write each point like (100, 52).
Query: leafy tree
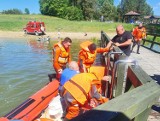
(70, 9)
(26, 11)
(88, 8)
(53, 7)
(108, 11)
(139, 6)
(73, 13)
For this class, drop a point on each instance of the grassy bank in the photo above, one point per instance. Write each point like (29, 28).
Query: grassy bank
(17, 22)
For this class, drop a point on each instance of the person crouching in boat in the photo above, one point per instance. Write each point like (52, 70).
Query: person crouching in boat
(80, 94)
(68, 73)
(87, 55)
(61, 55)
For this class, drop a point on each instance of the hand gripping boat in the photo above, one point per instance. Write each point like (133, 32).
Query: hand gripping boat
(32, 108)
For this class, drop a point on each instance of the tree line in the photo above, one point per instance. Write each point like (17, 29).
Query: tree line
(103, 10)
(15, 11)
(93, 9)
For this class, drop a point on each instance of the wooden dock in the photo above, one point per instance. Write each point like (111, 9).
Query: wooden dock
(149, 62)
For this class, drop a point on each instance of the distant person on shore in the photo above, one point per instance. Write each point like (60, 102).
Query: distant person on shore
(138, 33)
(61, 55)
(123, 40)
(43, 29)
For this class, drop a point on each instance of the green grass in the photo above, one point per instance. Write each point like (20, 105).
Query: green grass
(17, 22)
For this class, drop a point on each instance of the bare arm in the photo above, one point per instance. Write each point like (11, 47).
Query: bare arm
(109, 44)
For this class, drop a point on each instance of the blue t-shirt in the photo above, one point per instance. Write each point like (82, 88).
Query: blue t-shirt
(66, 75)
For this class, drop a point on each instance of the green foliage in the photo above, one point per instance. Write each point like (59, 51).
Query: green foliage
(108, 11)
(12, 11)
(26, 11)
(73, 13)
(53, 7)
(88, 9)
(139, 6)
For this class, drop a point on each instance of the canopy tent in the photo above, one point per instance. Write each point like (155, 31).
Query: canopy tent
(130, 17)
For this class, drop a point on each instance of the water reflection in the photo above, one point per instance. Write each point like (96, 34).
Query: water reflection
(24, 66)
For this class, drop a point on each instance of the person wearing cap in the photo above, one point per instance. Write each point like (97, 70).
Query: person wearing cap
(61, 55)
(87, 55)
(80, 94)
(138, 33)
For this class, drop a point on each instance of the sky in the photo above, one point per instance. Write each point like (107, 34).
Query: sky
(33, 5)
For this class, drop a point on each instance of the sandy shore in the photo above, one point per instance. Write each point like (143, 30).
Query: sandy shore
(55, 35)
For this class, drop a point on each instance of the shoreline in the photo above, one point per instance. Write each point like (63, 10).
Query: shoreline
(54, 35)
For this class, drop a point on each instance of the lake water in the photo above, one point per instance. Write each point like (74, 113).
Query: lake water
(24, 69)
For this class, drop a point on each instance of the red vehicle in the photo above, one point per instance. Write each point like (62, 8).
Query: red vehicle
(35, 27)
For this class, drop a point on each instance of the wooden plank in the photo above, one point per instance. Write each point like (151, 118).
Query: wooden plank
(137, 76)
(143, 116)
(120, 79)
(124, 107)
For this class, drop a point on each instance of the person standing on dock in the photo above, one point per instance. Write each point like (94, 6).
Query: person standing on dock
(123, 40)
(138, 33)
(61, 55)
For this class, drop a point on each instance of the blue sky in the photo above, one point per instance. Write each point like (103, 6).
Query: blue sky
(33, 5)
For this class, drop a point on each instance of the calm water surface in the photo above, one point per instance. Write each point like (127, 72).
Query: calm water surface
(24, 66)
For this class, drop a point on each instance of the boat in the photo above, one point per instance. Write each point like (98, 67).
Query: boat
(33, 107)
(45, 104)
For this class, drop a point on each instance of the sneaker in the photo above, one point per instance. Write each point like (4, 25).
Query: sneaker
(138, 53)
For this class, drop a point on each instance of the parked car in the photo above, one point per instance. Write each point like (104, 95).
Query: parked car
(35, 27)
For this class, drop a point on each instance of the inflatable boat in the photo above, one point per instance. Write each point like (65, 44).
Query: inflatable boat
(33, 107)
(44, 105)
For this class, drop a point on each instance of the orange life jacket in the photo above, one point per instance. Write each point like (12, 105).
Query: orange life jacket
(80, 85)
(64, 55)
(90, 57)
(139, 33)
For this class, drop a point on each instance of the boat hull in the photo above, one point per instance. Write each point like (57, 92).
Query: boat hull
(32, 108)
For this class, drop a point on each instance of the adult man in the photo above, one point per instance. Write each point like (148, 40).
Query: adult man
(138, 33)
(123, 40)
(61, 55)
(87, 55)
(68, 73)
(79, 91)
